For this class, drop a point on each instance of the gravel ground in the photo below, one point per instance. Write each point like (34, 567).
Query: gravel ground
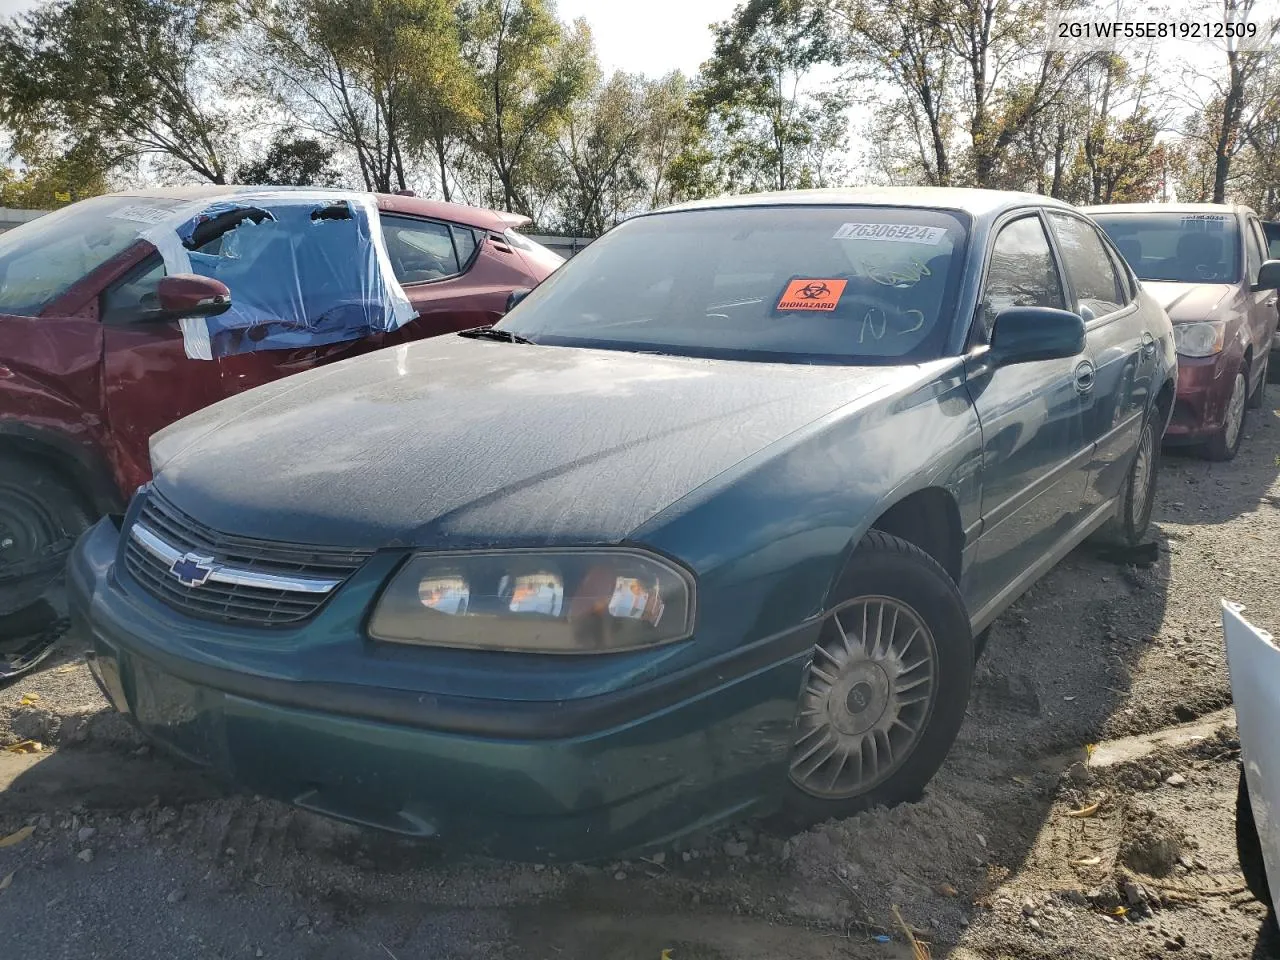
(133, 856)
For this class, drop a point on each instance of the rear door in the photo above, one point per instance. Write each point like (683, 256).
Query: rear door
(1035, 453)
(148, 379)
(1121, 349)
(1262, 303)
(455, 276)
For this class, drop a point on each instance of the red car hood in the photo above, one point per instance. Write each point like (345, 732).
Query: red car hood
(1188, 302)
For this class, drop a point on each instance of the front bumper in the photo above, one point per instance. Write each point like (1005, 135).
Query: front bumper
(1204, 387)
(601, 777)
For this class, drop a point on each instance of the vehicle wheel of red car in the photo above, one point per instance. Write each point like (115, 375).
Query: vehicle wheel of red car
(884, 696)
(1249, 850)
(40, 515)
(1224, 444)
(1259, 396)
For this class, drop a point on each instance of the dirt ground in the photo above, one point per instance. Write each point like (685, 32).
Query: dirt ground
(134, 857)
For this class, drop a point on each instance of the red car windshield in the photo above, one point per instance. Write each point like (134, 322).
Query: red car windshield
(1177, 247)
(40, 260)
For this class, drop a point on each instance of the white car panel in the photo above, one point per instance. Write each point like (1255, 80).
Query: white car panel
(1254, 660)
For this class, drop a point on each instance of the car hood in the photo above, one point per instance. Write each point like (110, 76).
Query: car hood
(1189, 302)
(454, 442)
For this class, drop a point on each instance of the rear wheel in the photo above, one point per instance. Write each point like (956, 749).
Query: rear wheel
(40, 517)
(1129, 526)
(885, 693)
(1224, 444)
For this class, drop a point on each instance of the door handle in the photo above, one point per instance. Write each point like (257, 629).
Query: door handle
(1271, 302)
(1084, 376)
(1148, 343)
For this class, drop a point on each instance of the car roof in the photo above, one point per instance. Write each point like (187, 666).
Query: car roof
(480, 217)
(1165, 208)
(976, 202)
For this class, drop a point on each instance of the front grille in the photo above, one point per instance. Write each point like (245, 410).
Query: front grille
(252, 559)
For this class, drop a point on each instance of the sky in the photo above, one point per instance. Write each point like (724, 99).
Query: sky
(644, 36)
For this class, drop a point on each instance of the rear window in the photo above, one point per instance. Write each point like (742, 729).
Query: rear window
(1177, 247)
(41, 260)
(810, 284)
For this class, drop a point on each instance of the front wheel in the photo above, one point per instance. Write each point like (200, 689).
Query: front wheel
(1225, 444)
(40, 516)
(885, 693)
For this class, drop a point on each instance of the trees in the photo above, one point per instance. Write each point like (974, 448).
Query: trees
(292, 162)
(527, 70)
(769, 133)
(119, 79)
(366, 74)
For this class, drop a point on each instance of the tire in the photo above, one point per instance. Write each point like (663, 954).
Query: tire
(901, 715)
(41, 514)
(1258, 398)
(1225, 444)
(1249, 850)
(1129, 526)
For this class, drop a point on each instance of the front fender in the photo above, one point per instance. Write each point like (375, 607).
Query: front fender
(768, 539)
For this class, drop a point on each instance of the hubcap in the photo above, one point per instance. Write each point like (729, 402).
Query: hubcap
(1235, 409)
(1142, 475)
(867, 696)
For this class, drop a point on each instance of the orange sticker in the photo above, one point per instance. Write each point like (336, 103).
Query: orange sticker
(809, 293)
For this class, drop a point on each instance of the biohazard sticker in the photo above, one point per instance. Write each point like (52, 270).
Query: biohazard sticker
(892, 232)
(809, 293)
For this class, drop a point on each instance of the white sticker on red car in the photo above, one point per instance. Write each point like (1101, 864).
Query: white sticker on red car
(139, 214)
(893, 232)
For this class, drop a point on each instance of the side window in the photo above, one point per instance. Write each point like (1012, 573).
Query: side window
(1022, 272)
(133, 294)
(1254, 250)
(1089, 266)
(420, 250)
(465, 242)
(1271, 231)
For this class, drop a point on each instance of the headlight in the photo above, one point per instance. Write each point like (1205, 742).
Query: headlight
(556, 601)
(1200, 339)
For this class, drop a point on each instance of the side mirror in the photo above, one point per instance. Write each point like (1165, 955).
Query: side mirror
(1027, 334)
(188, 295)
(1269, 276)
(519, 293)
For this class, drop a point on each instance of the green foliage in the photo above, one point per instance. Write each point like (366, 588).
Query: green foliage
(123, 78)
(292, 162)
(764, 131)
(529, 70)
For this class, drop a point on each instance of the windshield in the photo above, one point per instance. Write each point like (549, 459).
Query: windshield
(1177, 247)
(803, 284)
(40, 260)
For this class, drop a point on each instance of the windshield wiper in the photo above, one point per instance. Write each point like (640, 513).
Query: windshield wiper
(492, 333)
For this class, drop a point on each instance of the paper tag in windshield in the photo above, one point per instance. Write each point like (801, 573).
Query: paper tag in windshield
(809, 293)
(138, 214)
(893, 232)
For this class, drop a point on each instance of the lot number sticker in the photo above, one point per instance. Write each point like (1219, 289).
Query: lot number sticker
(809, 293)
(892, 232)
(139, 214)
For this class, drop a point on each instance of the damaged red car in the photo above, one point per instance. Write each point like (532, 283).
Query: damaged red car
(126, 312)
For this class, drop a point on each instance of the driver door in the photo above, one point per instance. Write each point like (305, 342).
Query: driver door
(148, 379)
(1035, 455)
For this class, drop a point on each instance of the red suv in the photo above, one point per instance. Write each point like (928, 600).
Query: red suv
(124, 313)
